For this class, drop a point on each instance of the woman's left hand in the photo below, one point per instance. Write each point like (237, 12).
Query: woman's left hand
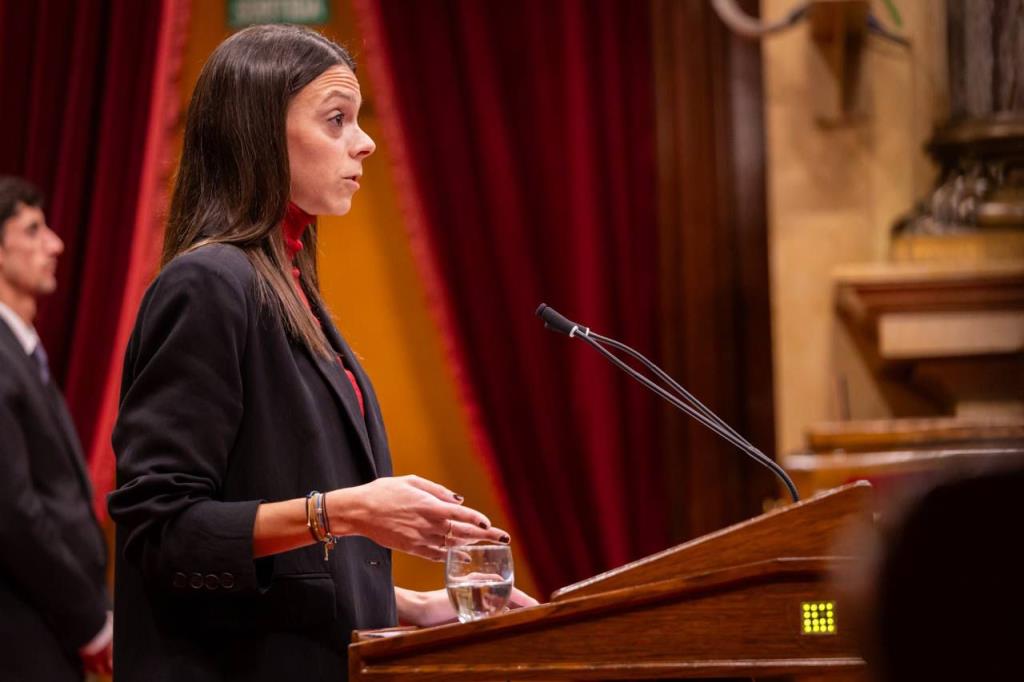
(425, 609)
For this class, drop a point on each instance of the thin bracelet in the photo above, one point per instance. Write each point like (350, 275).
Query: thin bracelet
(322, 526)
(326, 517)
(321, 517)
(311, 515)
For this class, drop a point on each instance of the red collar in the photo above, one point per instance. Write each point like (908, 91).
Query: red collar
(294, 226)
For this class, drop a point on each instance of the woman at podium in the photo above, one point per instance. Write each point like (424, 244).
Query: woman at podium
(256, 507)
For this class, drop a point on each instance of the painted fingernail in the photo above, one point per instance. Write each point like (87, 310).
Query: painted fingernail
(504, 539)
(483, 524)
(458, 498)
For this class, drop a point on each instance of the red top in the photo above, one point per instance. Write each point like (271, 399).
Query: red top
(294, 226)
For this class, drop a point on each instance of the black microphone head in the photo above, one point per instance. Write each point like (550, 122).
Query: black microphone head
(554, 321)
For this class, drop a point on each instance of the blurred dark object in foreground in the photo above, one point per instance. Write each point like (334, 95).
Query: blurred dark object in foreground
(944, 593)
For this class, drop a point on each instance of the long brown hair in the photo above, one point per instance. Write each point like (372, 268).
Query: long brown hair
(233, 181)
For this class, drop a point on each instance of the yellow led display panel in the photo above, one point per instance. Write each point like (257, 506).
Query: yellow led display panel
(818, 617)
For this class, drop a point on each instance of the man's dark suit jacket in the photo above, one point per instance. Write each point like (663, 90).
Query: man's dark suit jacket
(221, 409)
(52, 553)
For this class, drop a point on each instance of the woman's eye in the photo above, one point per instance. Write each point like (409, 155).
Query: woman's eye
(338, 119)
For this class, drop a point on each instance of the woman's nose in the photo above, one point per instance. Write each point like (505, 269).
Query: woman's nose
(365, 146)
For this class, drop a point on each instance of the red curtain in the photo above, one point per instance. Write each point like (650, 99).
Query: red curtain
(88, 111)
(525, 137)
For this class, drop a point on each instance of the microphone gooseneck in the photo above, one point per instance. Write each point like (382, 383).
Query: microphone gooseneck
(683, 401)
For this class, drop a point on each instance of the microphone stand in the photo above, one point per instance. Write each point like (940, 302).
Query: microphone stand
(685, 402)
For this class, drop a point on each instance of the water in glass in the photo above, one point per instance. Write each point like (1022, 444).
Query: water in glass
(479, 579)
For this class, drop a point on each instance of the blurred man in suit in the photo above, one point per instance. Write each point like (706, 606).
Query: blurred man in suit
(55, 622)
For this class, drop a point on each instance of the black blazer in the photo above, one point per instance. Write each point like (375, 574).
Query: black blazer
(52, 553)
(221, 409)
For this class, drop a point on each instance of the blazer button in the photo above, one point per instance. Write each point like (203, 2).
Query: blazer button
(227, 580)
(195, 581)
(180, 580)
(211, 581)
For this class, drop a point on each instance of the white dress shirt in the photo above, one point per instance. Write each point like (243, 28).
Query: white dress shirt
(23, 331)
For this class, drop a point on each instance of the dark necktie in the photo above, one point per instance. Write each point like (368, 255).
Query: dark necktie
(39, 355)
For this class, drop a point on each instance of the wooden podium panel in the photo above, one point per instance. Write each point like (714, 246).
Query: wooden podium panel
(736, 610)
(805, 529)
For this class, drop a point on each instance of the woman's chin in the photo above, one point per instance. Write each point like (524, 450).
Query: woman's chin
(339, 208)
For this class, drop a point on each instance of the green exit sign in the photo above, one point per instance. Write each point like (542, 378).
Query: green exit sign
(249, 12)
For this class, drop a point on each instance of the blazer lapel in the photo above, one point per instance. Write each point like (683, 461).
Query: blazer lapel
(336, 379)
(67, 426)
(373, 420)
(50, 396)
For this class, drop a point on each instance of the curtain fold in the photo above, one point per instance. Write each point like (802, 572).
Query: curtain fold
(525, 148)
(715, 301)
(89, 107)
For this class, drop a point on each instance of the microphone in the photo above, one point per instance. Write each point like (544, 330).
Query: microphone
(683, 400)
(554, 321)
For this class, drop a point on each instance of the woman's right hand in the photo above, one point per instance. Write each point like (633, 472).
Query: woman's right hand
(409, 514)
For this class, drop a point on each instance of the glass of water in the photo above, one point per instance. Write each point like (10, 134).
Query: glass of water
(479, 579)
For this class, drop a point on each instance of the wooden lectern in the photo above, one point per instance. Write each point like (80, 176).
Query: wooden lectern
(751, 600)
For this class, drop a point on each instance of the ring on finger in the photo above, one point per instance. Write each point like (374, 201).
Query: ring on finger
(448, 535)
